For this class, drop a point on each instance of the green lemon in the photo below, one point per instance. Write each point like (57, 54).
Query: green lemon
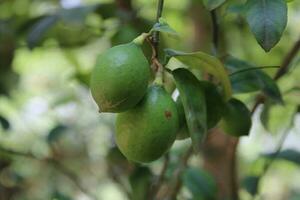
(236, 119)
(146, 132)
(120, 78)
(214, 104)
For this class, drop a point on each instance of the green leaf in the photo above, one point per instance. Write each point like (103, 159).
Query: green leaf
(56, 133)
(236, 119)
(199, 60)
(212, 4)
(250, 183)
(294, 194)
(77, 14)
(39, 29)
(215, 104)
(163, 27)
(287, 155)
(193, 100)
(236, 9)
(4, 123)
(267, 20)
(108, 10)
(252, 80)
(277, 118)
(59, 196)
(200, 183)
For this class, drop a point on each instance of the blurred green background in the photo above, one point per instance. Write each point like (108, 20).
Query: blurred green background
(53, 142)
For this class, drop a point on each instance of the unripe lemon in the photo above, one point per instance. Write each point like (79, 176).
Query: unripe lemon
(120, 78)
(236, 119)
(147, 131)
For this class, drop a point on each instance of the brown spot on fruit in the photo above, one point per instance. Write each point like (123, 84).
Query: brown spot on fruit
(168, 114)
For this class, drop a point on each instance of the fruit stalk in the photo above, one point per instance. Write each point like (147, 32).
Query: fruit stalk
(155, 39)
(155, 42)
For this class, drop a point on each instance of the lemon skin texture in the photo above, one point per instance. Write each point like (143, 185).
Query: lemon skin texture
(236, 119)
(146, 132)
(120, 78)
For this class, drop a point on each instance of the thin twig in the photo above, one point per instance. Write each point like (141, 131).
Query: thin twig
(156, 65)
(164, 169)
(287, 60)
(234, 175)
(155, 38)
(122, 186)
(177, 183)
(261, 99)
(284, 68)
(155, 43)
(161, 177)
(276, 153)
(253, 68)
(57, 165)
(124, 5)
(269, 163)
(215, 31)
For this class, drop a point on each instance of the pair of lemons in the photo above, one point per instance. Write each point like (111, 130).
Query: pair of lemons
(148, 119)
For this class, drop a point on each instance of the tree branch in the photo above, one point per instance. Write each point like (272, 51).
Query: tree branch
(124, 5)
(268, 164)
(57, 165)
(161, 177)
(177, 183)
(215, 31)
(261, 98)
(287, 60)
(284, 68)
(155, 38)
(234, 175)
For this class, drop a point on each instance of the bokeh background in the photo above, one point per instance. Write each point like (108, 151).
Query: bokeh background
(55, 145)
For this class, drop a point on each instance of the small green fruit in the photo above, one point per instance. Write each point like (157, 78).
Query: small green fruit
(120, 78)
(236, 119)
(147, 131)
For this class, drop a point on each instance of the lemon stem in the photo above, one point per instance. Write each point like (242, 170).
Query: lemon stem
(140, 39)
(159, 75)
(155, 41)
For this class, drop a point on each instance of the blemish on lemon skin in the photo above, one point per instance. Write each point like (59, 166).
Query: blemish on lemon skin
(109, 105)
(168, 114)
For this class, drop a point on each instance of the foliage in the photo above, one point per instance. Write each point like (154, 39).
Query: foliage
(55, 145)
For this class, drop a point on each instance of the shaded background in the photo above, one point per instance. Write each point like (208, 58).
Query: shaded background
(55, 145)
